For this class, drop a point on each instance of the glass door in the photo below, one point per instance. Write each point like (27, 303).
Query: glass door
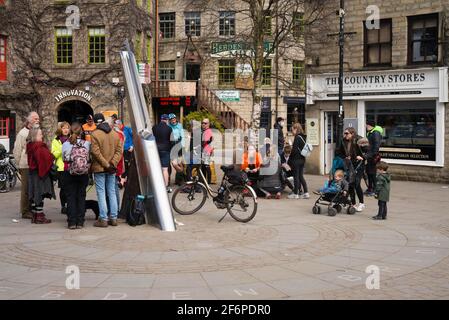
(330, 139)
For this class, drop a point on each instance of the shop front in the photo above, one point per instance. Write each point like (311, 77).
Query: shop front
(408, 104)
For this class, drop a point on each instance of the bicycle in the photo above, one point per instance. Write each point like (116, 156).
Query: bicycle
(235, 195)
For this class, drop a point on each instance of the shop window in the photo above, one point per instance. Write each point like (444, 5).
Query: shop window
(4, 127)
(423, 39)
(227, 23)
(64, 46)
(3, 67)
(378, 44)
(193, 23)
(295, 112)
(266, 73)
(97, 45)
(409, 128)
(166, 70)
(226, 72)
(167, 25)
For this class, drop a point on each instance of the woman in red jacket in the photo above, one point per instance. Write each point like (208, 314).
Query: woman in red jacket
(40, 161)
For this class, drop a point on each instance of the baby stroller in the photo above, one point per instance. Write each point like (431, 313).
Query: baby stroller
(335, 201)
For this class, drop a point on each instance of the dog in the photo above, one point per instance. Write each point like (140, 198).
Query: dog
(93, 205)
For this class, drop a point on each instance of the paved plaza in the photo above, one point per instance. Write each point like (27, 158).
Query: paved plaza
(286, 252)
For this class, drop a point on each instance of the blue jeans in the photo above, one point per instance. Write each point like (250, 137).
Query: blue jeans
(106, 183)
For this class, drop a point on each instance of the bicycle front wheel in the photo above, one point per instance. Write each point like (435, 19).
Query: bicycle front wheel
(189, 198)
(241, 203)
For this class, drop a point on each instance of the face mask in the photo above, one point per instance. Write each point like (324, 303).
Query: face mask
(282, 123)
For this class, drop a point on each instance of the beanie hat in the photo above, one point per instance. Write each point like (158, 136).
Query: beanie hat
(99, 118)
(371, 123)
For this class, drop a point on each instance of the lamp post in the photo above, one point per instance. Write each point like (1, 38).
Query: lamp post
(341, 112)
(121, 97)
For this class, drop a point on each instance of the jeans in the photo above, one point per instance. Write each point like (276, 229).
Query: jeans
(382, 209)
(75, 189)
(106, 183)
(117, 193)
(298, 178)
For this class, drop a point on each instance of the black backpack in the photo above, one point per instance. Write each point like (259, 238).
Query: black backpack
(136, 213)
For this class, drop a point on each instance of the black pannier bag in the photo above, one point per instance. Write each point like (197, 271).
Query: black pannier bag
(237, 177)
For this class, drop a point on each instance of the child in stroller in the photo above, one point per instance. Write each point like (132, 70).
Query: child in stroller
(334, 194)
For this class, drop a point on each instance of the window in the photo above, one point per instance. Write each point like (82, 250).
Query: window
(97, 45)
(298, 73)
(193, 23)
(267, 23)
(298, 24)
(148, 49)
(138, 47)
(226, 72)
(409, 128)
(3, 69)
(4, 127)
(266, 73)
(167, 25)
(227, 23)
(64, 46)
(423, 39)
(378, 44)
(166, 70)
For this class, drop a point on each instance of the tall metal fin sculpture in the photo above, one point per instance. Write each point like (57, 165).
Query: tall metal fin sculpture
(148, 163)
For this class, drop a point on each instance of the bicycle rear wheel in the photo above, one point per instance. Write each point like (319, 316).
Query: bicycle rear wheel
(189, 198)
(241, 203)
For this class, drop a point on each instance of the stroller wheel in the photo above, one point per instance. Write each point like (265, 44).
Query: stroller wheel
(332, 211)
(316, 210)
(351, 210)
(338, 208)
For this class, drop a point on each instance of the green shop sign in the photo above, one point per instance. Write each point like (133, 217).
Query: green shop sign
(218, 47)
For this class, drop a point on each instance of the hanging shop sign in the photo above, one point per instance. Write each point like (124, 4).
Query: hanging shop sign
(144, 73)
(244, 76)
(228, 95)
(73, 93)
(182, 88)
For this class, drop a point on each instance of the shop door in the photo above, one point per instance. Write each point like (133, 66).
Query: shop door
(193, 71)
(330, 139)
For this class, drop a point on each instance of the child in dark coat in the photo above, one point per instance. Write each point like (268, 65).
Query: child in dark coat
(382, 192)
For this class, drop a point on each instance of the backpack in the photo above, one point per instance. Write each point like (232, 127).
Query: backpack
(307, 149)
(237, 177)
(136, 214)
(79, 160)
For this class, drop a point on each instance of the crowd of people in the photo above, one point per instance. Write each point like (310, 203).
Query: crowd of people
(100, 151)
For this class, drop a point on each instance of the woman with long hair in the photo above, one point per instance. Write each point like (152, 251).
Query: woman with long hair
(297, 161)
(62, 134)
(76, 182)
(354, 159)
(40, 161)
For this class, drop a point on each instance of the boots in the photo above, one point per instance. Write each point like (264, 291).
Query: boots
(39, 218)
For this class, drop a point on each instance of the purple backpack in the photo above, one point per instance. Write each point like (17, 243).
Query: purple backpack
(79, 157)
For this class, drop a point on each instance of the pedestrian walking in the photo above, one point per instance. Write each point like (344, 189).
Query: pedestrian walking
(22, 162)
(374, 135)
(106, 151)
(382, 190)
(77, 161)
(297, 162)
(162, 133)
(61, 136)
(354, 160)
(40, 161)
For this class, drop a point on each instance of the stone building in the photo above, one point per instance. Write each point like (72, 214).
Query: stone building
(211, 53)
(65, 71)
(395, 73)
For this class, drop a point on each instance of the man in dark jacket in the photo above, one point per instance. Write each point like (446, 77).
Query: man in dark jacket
(162, 133)
(279, 126)
(374, 135)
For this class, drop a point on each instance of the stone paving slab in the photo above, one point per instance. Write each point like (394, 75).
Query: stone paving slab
(286, 252)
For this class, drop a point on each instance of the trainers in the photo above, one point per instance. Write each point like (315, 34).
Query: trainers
(293, 196)
(377, 218)
(370, 194)
(101, 223)
(169, 190)
(27, 215)
(80, 226)
(112, 222)
(360, 207)
(72, 227)
(305, 196)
